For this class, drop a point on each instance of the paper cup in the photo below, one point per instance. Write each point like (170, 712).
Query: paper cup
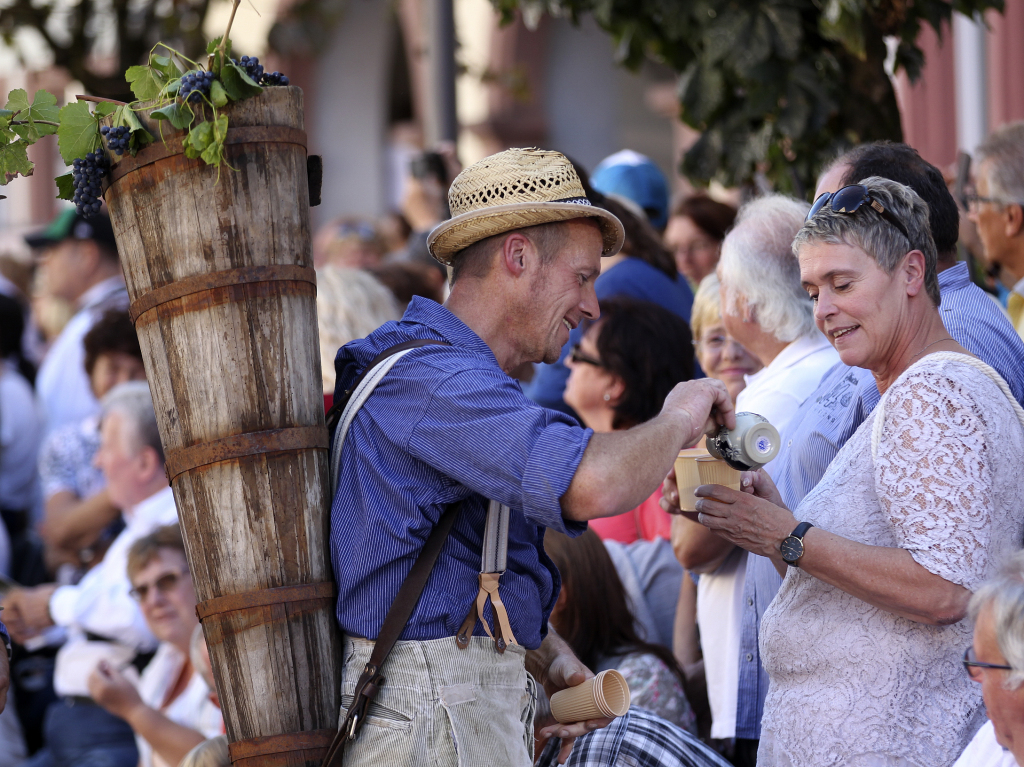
(715, 472)
(688, 478)
(606, 694)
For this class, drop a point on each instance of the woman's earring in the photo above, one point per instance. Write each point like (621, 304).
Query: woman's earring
(607, 397)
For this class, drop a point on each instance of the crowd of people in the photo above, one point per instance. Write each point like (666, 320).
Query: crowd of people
(858, 601)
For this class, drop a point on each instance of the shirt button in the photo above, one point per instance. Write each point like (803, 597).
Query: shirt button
(789, 444)
(750, 601)
(750, 656)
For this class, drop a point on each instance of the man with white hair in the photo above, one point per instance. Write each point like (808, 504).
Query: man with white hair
(997, 209)
(102, 620)
(996, 661)
(765, 308)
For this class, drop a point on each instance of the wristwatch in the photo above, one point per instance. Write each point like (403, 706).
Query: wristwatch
(793, 547)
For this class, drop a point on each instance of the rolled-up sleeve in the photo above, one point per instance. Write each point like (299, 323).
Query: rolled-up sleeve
(480, 429)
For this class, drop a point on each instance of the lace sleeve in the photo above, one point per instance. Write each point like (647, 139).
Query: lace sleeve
(933, 478)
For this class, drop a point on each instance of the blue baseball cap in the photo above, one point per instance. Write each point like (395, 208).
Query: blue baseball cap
(631, 175)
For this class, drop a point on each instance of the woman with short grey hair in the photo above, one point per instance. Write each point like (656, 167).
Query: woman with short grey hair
(917, 510)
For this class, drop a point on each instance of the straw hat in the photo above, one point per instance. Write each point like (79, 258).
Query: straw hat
(515, 189)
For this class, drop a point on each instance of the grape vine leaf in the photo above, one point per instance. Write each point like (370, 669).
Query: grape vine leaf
(216, 58)
(218, 95)
(237, 84)
(14, 161)
(65, 186)
(78, 133)
(148, 80)
(43, 107)
(179, 115)
(206, 141)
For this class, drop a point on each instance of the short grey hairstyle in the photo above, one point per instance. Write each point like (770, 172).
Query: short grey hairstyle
(1005, 593)
(758, 264)
(133, 400)
(880, 239)
(1005, 172)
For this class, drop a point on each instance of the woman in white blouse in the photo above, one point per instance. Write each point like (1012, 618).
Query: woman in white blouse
(170, 709)
(920, 507)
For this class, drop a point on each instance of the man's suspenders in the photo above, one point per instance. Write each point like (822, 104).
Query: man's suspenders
(493, 558)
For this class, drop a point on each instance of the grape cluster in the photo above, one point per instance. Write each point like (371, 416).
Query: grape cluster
(252, 67)
(87, 173)
(195, 85)
(274, 78)
(117, 138)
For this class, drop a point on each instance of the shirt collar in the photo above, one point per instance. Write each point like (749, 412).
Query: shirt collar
(1019, 287)
(437, 317)
(144, 512)
(100, 291)
(797, 350)
(954, 278)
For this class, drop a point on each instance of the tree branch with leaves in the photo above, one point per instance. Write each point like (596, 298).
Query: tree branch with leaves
(774, 86)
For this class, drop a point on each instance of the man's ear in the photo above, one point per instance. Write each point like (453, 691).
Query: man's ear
(516, 252)
(1013, 216)
(913, 270)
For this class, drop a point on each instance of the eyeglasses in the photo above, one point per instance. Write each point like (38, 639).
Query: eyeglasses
(164, 584)
(974, 199)
(578, 356)
(850, 199)
(971, 662)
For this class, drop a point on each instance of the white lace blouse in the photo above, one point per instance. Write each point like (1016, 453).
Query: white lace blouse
(855, 685)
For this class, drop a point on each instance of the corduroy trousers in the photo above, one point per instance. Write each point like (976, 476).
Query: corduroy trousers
(443, 706)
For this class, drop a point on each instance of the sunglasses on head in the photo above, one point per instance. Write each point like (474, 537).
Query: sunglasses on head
(850, 199)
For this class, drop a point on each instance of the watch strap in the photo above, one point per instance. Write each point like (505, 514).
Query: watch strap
(801, 530)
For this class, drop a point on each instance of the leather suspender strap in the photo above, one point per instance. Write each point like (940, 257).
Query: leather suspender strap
(370, 680)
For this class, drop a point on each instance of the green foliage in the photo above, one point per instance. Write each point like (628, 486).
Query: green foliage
(14, 161)
(65, 186)
(79, 131)
(237, 84)
(775, 86)
(149, 81)
(206, 141)
(37, 118)
(178, 114)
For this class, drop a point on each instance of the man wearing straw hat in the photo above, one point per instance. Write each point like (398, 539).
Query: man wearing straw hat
(448, 456)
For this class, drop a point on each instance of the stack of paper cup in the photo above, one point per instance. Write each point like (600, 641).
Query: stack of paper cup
(715, 472)
(688, 478)
(606, 694)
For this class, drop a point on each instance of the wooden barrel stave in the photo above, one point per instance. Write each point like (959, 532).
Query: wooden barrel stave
(232, 360)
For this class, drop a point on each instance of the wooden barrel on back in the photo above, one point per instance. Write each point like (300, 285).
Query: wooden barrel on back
(220, 275)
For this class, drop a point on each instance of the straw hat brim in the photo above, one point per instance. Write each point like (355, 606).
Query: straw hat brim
(457, 233)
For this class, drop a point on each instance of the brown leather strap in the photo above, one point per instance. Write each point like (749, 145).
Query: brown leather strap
(263, 597)
(161, 150)
(184, 459)
(200, 283)
(395, 621)
(255, 748)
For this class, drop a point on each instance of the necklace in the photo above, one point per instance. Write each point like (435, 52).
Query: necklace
(929, 346)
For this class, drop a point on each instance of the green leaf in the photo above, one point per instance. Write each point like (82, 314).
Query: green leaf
(179, 115)
(79, 131)
(43, 107)
(14, 162)
(218, 95)
(148, 81)
(206, 140)
(237, 84)
(198, 139)
(104, 108)
(218, 59)
(172, 88)
(65, 186)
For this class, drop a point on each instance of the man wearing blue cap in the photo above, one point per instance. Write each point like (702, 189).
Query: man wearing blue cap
(634, 177)
(80, 264)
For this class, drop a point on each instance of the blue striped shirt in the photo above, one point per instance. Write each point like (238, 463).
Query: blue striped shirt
(446, 424)
(844, 399)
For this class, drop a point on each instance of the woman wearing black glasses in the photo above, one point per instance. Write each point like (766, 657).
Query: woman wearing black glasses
(916, 511)
(170, 707)
(620, 373)
(995, 660)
